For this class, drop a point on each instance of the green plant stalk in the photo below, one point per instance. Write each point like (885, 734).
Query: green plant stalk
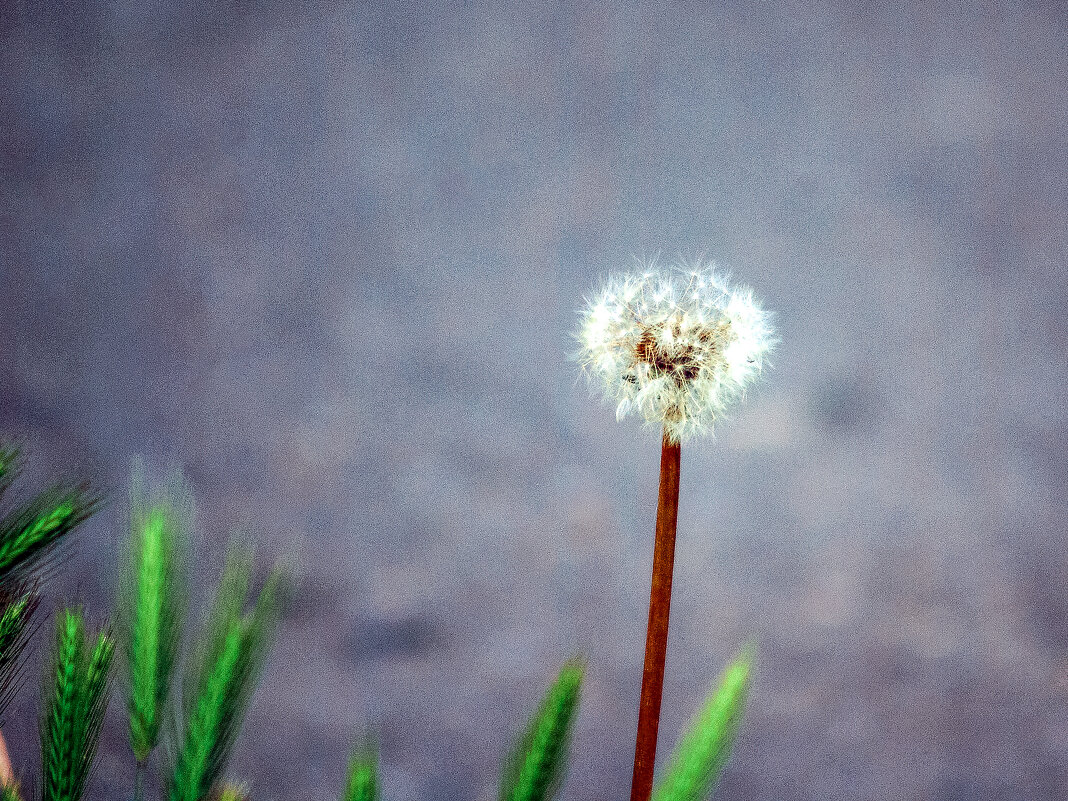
(30, 533)
(29, 537)
(230, 657)
(232, 792)
(362, 784)
(13, 623)
(15, 632)
(145, 641)
(534, 768)
(94, 704)
(9, 466)
(152, 602)
(703, 751)
(224, 615)
(59, 746)
(192, 777)
(139, 779)
(77, 701)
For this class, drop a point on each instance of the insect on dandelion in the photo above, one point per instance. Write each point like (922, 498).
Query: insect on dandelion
(677, 347)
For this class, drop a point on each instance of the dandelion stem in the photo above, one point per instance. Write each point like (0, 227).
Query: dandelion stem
(667, 512)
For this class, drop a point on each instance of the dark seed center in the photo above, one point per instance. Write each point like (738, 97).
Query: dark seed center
(680, 366)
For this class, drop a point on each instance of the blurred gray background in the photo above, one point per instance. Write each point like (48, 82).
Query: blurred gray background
(327, 258)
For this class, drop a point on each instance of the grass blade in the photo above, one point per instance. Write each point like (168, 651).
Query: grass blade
(94, 701)
(193, 774)
(15, 613)
(152, 603)
(535, 766)
(232, 651)
(362, 783)
(224, 615)
(58, 731)
(30, 533)
(704, 749)
(230, 792)
(10, 457)
(74, 713)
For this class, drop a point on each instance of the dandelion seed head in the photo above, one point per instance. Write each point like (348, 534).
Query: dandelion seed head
(676, 346)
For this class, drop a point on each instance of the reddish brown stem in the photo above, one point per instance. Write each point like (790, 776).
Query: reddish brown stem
(667, 513)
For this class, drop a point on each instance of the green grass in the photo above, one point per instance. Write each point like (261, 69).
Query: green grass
(13, 619)
(223, 675)
(362, 782)
(222, 672)
(228, 791)
(703, 750)
(77, 695)
(15, 613)
(29, 536)
(534, 768)
(31, 531)
(9, 466)
(152, 605)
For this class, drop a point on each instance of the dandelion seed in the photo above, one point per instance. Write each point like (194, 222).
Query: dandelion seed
(676, 346)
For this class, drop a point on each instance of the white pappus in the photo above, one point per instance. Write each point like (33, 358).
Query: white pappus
(675, 345)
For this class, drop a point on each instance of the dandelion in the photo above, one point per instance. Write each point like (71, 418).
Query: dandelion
(677, 347)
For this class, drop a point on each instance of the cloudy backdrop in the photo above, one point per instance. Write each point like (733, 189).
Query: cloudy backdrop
(327, 257)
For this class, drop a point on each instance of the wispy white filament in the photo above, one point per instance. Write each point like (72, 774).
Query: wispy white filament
(675, 345)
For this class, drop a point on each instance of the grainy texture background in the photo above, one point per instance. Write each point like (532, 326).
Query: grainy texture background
(327, 257)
